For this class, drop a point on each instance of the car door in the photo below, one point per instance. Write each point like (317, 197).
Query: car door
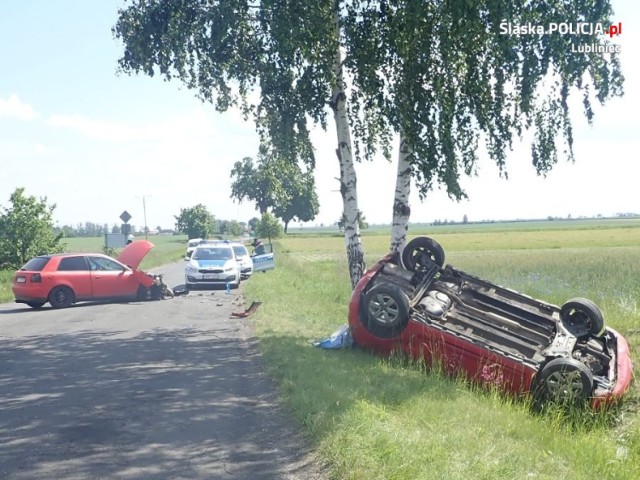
(264, 261)
(110, 279)
(73, 271)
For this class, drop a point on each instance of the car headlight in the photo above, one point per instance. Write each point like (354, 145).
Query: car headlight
(191, 268)
(229, 269)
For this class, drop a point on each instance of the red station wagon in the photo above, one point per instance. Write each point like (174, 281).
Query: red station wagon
(492, 335)
(65, 278)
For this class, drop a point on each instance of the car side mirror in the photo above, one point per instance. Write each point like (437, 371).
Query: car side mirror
(186, 259)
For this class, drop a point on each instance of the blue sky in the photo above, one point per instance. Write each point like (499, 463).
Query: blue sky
(95, 143)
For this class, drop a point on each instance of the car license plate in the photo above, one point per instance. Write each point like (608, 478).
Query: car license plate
(209, 277)
(21, 280)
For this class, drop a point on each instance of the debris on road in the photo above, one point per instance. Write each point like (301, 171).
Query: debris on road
(252, 308)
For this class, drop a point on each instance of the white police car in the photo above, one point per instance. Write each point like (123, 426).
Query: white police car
(212, 264)
(242, 254)
(192, 244)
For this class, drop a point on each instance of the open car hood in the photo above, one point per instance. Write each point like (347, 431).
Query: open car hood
(133, 253)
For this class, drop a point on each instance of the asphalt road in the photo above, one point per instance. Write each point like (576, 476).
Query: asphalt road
(171, 389)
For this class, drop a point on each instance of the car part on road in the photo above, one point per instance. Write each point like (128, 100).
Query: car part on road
(249, 311)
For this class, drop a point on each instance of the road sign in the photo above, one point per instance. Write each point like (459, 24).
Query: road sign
(125, 216)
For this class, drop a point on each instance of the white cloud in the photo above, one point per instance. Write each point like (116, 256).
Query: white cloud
(187, 126)
(97, 129)
(13, 107)
(41, 149)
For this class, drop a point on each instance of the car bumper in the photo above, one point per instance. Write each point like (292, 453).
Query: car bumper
(621, 378)
(213, 279)
(24, 293)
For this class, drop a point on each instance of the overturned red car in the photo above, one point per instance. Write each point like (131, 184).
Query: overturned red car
(412, 302)
(66, 278)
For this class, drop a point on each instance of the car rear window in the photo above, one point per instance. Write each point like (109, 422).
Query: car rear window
(36, 264)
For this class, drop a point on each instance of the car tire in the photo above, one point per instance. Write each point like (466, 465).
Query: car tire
(35, 305)
(385, 310)
(61, 297)
(582, 317)
(419, 251)
(565, 381)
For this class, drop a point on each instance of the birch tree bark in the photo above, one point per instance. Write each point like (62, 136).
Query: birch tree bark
(348, 180)
(401, 208)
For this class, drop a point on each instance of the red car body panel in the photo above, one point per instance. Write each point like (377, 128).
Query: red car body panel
(132, 254)
(89, 283)
(458, 355)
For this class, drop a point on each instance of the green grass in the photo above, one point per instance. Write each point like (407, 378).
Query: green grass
(377, 418)
(167, 249)
(374, 418)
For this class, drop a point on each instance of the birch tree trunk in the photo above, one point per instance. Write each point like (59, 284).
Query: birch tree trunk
(348, 181)
(401, 208)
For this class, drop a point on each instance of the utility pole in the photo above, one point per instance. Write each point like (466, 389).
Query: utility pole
(144, 212)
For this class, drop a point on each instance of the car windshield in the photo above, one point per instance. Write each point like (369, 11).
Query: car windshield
(36, 264)
(213, 253)
(240, 251)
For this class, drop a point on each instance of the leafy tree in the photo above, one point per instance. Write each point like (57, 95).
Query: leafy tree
(229, 227)
(196, 222)
(260, 183)
(269, 227)
(26, 230)
(277, 184)
(467, 81)
(302, 200)
(288, 51)
(253, 223)
(234, 228)
(439, 74)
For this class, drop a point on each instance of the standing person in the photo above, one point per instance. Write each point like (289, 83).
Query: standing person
(258, 247)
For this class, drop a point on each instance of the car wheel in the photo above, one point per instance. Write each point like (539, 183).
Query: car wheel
(61, 297)
(417, 254)
(565, 381)
(385, 310)
(582, 317)
(35, 305)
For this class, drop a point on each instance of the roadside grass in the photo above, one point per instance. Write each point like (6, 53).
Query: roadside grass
(378, 418)
(6, 277)
(167, 249)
